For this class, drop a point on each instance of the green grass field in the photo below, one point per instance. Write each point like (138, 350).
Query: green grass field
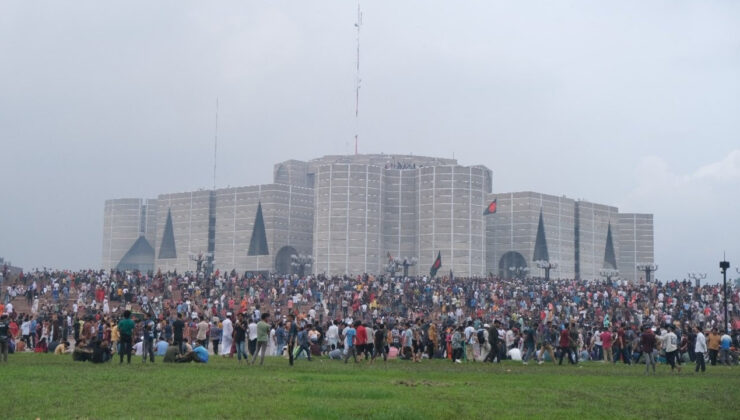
(47, 386)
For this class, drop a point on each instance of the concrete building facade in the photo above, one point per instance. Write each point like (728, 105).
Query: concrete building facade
(350, 213)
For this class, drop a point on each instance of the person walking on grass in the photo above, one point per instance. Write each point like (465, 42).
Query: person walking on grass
(149, 340)
(379, 341)
(303, 342)
(263, 333)
(4, 337)
(724, 348)
(647, 345)
(700, 348)
(126, 329)
(350, 337)
(564, 345)
(670, 344)
(292, 328)
(240, 334)
(713, 343)
(457, 345)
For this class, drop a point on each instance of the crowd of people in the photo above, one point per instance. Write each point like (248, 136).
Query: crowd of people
(186, 317)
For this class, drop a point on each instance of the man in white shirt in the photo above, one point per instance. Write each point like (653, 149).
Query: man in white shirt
(252, 331)
(470, 340)
(670, 344)
(699, 349)
(332, 336)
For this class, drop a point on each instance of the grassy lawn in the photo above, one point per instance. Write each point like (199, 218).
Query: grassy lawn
(47, 386)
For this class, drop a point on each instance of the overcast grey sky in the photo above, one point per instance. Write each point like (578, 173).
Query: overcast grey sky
(629, 103)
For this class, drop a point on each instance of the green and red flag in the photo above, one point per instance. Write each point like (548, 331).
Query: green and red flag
(490, 209)
(437, 265)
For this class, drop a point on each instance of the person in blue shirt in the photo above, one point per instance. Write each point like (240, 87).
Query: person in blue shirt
(349, 342)
(724, 348)
(162, 347)
(303, 344)
(198, 355)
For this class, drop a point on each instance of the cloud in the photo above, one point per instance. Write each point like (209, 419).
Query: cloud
(695, 213)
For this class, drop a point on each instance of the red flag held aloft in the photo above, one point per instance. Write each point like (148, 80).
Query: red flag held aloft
(491, 208)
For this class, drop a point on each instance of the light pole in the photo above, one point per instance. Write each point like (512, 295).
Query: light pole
(300, 262)
(547, 266)
(647, 269)
(724, 265)
(408, 262)
(609, 274)
(519, 272)
(697, 277)
(202, 261)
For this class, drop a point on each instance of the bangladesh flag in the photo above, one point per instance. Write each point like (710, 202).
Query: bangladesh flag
(437, 265)
(491, 208)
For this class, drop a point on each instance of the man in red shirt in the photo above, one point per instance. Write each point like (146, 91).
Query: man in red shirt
(647, 343)
(606, 342)
(361, 338)
(564, 345)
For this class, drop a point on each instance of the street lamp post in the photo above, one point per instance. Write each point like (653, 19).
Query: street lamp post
(609, 274)
(519, 272)
(697, 277)
(408, 262)
(647, 269)
(547, 266)
(300, 262)
(724, 265)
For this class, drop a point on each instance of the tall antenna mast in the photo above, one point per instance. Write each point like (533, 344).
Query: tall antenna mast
(215, 146)
(358, 24)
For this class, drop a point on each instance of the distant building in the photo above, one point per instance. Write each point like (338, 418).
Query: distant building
(350, 213)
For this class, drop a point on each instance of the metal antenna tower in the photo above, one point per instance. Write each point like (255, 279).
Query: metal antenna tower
(215, 147)
(358, 24)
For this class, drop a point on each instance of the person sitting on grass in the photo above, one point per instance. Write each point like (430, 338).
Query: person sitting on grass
(41, 346)
(101, 352)
(82, 352)
(199, 354)
(171, 354)
(62, 348)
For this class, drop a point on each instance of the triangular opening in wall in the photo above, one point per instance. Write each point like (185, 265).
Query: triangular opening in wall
(258, 243)
(540, 243)
(139, 256)
(610, 258)
(167, 249)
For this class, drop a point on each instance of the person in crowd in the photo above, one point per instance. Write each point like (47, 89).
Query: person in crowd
(647, 345)
(227, 329)
(4, 337)
(350, 346)
(303, 343)
(125, 330)
(725, 342)
(178, 331)
(263, 334)
(198, 354)
(700, 349)
(240, 338)
(713, 343)
(380, 340)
